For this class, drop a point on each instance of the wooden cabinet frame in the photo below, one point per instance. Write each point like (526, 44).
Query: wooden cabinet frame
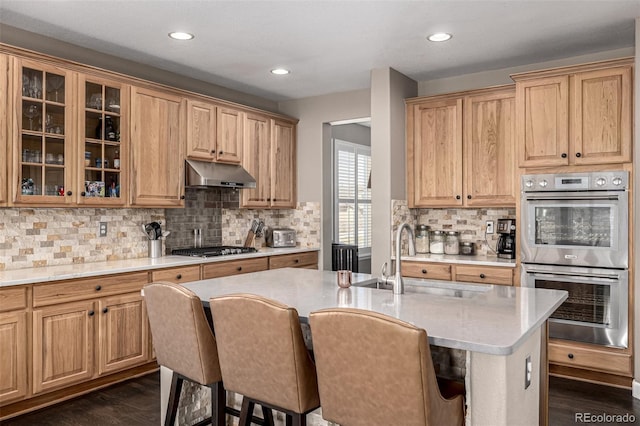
(4, 128)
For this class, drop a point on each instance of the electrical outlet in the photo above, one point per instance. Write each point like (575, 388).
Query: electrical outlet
(527, 371)
(103, 229)
(489, 227)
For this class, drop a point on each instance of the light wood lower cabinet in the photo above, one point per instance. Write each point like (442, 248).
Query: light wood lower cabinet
(457, 272)
(13, 356)
(123, 333)
(178, 275)
(298, 260)
(234, 267)
(63, 345)
(578, 355)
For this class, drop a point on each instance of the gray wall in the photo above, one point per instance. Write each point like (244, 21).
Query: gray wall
(636, 221)
(389, 89)
(314, 148)
(27, 40)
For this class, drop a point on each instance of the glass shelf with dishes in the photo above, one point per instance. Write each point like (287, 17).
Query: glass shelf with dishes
(102, 147)
(43, 143)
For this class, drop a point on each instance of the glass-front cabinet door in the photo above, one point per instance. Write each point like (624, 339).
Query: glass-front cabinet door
(43, 140)
(103, 144)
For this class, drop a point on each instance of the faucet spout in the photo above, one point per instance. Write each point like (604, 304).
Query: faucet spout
(398, 283)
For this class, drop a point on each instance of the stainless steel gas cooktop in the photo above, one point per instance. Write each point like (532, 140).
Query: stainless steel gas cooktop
(213, 251)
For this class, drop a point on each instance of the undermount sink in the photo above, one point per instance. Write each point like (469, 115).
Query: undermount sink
(464, 291)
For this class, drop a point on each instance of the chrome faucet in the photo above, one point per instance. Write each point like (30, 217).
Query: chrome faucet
(398, 284)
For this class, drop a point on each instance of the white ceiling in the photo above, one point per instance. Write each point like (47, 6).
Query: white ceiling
(329, 46)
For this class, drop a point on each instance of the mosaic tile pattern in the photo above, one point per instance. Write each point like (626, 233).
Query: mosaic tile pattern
(470, 223)
(305, 219)
(36, 237)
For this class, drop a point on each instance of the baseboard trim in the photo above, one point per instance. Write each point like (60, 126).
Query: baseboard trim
(636, 389)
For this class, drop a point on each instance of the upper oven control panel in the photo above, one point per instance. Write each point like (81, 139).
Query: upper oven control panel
(592, 181)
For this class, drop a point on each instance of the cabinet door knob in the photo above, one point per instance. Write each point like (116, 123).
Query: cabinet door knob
(457, 197)
(268, 199)
(563, 155)
(179, 276)
(424, 271)
(468, 197)
(220, 152)
(69, 193)
(105, 310)
(98, 287)
(570, 356)
(83, 193)
(481, 275)
(91, 313)
(239, 268)
(274, 200)
(182, 197)
(578, 154)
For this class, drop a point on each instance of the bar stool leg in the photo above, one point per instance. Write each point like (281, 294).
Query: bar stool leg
(267, 415)
(218, 404)
(296, 419)
(174, 399)
(246, 412)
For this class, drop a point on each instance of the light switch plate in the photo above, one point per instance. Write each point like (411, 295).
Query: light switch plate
(489, 227)
(103, 229)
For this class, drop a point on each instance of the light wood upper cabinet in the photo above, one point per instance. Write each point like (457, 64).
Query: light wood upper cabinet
(601, 126)
(4, 125)
(269, 155)
(283, 166)
(201, 130)
(489, 149)
(123, 333)
(256, 159)
(42, 134)
(157, 142)
(460, 149)
(229, 135)
(434, 153)
(575, 115)
(62, 345)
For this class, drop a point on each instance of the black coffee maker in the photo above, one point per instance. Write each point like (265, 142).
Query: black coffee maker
(507, 240)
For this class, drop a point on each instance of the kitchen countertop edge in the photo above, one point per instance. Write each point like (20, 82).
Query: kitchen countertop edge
(480, 260)
(85, 270)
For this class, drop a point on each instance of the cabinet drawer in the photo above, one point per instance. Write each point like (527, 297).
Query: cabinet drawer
(591, 359)
(296, 260)
(177, 275)
(434, 271)
(13, 298)
(234, 267)
(484, 275)
(86, 288)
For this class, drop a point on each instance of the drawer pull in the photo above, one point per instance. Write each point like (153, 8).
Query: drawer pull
(179, 276)
(91, 313)
(424, 271)
(570, 356)
(296, 261)
(98, 287)
(239, 268)
(482, 275)
(105, 310)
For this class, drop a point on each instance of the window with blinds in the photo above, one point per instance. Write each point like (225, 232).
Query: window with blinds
(351, 197)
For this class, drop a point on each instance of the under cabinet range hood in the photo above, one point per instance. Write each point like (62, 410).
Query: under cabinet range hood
(202, 174)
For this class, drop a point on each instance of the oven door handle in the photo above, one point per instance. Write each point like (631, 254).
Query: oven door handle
(571, 197)
(570, 274)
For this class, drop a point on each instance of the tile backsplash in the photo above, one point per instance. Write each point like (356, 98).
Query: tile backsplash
(469, 222)
(35, 237)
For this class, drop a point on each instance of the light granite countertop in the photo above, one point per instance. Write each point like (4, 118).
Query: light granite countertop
(480, 259)
(494, 319)
(83, 270)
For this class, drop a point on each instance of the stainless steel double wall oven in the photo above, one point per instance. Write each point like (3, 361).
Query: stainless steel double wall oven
(575, 237)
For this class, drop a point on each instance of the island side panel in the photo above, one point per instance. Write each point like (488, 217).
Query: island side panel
(496, 386)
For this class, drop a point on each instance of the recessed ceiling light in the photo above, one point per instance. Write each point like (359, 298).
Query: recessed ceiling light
(280, 71)
(177, 35)
(439, 37)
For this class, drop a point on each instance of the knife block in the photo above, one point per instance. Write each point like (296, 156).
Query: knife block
(250, 240)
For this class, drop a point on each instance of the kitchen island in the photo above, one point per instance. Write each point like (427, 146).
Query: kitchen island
(502, 329)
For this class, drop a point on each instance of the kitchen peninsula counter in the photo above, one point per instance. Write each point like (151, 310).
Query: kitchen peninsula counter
(502, 329)
(94, 269)
(479, 259)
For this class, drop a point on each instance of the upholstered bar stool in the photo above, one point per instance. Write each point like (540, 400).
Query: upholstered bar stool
(376, 370)
(263, 356)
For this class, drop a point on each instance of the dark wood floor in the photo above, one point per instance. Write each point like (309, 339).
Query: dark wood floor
(137, 402)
